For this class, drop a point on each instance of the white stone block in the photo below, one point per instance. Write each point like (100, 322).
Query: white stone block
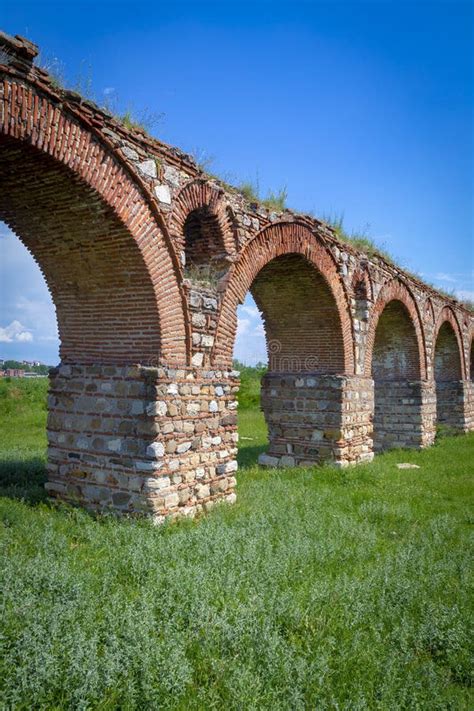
(197, 359)
(148, 168)
(155, 450)
(163, 194)
(114, 445)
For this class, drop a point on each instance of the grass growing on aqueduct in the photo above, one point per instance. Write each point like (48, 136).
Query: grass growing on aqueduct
(319, 589)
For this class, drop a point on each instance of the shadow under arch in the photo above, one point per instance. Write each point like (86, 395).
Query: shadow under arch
(396, 356)
(278, 240)
(448, 371)
(294, 282)
(202, 227)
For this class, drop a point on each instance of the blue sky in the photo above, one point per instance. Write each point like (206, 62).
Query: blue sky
(361, 108)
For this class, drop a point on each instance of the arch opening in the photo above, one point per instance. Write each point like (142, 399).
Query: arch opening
(398, 392)
(303, 388)
(300, 315)
(206, 256)
(448, 379)
(103, 294)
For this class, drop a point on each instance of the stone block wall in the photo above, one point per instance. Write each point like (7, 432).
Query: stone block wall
(404, 414)
(469, 405)
(203, 303)
(453, 404)
(314, 418)
(142, 440)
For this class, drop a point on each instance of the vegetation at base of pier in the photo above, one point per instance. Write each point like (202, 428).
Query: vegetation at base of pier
(319, 588)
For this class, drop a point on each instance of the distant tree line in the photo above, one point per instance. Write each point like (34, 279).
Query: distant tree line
(250, 381)
(18, 365)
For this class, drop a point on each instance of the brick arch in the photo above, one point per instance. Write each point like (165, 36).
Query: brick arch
(194, 198)
(396, 291)
(361, 285)
(428, 311)
(448, 336)
(115, 286)
(274, 242)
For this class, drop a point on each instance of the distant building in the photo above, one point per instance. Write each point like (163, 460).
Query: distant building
(14, 373)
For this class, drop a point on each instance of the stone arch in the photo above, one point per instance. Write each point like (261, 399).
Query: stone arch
(300, 317)
(293, 245)
(397, 291)
(361, 292)
(202, 226)
(361, 285)
(428, 312)
(448, 370)
(85, 219)
(397, 361)
(449, 363)
(395, 349)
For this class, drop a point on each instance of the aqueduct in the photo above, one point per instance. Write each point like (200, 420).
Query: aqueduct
(147, 258)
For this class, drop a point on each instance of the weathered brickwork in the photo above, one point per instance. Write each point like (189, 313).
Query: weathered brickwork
(147, 259)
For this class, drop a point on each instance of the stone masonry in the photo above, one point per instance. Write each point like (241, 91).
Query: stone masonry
(150, 440)
(147, 259)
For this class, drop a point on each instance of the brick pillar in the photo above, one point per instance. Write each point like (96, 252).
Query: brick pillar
(313, 418)
(454, 404)
(160, 441)
(404, 414)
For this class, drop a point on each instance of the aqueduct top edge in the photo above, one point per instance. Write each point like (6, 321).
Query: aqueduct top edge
(175, 167)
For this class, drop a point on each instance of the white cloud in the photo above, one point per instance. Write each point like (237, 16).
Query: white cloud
(243, 325)
(15, 331)
(39, 314)
(251, 311)
(25, 300)
(109, 90)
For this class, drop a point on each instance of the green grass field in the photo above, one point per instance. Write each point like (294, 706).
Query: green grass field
(319, 589)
